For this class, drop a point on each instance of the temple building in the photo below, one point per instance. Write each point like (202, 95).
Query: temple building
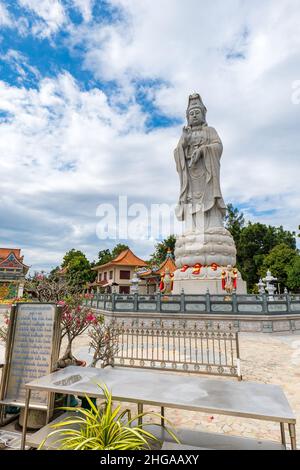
(12, 273)
(116, 275)
(150, 280)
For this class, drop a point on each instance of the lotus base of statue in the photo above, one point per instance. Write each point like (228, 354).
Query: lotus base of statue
(213, 246)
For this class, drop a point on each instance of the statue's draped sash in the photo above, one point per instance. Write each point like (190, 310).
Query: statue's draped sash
(211, 195)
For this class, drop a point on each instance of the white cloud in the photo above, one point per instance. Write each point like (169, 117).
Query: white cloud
(242, 57)
(85, 7)
(5, 18)
(72, 149)
(20, 64)
(50, 11)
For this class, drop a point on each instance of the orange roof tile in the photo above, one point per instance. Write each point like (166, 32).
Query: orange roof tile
(167, 264)
(5, 252)
(125, 258)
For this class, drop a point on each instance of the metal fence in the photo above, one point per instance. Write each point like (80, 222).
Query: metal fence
(206, 350)
(193, 304)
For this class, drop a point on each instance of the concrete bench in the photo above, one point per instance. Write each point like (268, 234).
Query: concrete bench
(189, 440)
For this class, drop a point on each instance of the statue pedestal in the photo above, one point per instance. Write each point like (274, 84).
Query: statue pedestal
(213, 250)
(207, 280)
(215, 245)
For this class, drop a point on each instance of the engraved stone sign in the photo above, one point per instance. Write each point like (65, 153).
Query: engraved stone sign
(32, 351)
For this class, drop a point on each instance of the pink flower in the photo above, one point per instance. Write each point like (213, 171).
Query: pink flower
(90, 318)
(62, 303)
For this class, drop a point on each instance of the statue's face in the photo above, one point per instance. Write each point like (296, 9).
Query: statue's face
(196, 117)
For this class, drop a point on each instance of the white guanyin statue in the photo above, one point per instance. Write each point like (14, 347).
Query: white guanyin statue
(206, 247)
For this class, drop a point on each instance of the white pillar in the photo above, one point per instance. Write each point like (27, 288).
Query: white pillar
(21, 289)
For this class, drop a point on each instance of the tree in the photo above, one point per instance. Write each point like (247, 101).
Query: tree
(161, 250)
(280, 258)
(54, 273)
(255, 242)
(118, 249)
(104, 256)
(234, 222)
(78, 268)
(293, 272)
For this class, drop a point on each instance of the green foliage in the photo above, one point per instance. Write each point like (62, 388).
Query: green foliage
(53, 275)
(105, 256)
(293, 275)
(78, 268)
(118, 249)
(161, 250)
(102, 428)
(234, 222)
(279, 259)
(255, 241)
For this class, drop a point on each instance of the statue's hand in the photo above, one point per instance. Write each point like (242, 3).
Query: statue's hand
(187, 130)
(186, 135)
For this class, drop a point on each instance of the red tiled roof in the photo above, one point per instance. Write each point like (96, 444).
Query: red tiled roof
(167, 264)
(5, 252)
(126, 258)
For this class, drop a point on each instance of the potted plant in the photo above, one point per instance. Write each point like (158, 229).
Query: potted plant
(103, 427)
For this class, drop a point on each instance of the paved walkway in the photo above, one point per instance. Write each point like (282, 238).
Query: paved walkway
(266, 358)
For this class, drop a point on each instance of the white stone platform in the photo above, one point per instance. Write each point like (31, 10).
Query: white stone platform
(208, 280)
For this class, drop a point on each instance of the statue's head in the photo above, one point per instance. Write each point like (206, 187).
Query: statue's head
(196, 111)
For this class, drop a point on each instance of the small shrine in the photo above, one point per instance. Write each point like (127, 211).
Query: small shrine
(12, 273)
(159, 279)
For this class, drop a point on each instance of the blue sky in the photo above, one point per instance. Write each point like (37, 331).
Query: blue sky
(92, 100)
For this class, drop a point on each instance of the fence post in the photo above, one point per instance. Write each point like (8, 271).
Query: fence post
(113, 302)
(158, 302)
(182, 302)
(288, 301)
(135, 302)
(234, 303)
(265, 303)
(207, 299)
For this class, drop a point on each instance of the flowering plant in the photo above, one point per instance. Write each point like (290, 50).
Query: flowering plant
(76, 319)
(104, 340)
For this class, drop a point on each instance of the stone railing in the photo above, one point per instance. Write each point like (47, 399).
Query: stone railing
(198, 304)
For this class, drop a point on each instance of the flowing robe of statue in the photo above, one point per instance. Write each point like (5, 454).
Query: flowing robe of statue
(205, 248)
(200, 192)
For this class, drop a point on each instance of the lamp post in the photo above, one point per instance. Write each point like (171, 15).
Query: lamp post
(134, 283)
(270, 288)
(261, 287)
